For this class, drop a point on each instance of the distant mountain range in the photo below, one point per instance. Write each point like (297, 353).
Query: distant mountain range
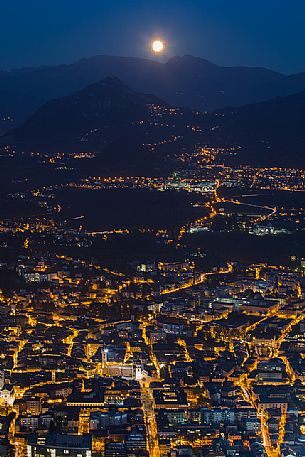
(187, 81)
(128, 126)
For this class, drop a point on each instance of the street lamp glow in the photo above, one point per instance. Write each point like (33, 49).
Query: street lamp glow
(157, 46)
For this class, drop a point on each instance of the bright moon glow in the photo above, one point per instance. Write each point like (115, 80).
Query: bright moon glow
(157, 46)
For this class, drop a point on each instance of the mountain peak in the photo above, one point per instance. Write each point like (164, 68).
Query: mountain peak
(189, 59)
(75, 119)
(110, 82)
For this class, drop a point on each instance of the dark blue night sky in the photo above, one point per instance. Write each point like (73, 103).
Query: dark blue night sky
(231, 32)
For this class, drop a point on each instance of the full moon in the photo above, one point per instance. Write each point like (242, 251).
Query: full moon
(157, 46)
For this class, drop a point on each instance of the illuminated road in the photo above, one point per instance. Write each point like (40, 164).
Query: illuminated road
(213, 210)
(69, 341)
(148, 400)
(151, 353)
(150, 420)
(272, 210)
(198, 280)
(246, 387)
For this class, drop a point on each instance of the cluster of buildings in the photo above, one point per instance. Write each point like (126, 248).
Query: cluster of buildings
(160, 361)
(155, 356)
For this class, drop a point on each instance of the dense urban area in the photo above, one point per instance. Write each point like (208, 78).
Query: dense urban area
(169, 321)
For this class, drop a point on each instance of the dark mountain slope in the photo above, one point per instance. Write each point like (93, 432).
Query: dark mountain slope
(103, 110)
(109, 115)
(270, 132)
(125, 127)
(182, 81)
